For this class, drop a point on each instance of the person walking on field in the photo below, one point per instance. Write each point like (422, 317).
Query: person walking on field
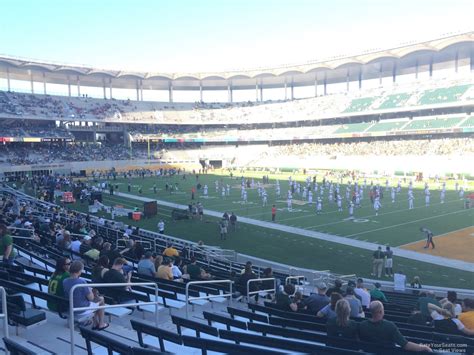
(429, 237)
(378, 262)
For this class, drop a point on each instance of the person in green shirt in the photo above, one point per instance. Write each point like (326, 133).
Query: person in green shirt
(6, 245)
(55, 285)
(377, 295)
(380, 331)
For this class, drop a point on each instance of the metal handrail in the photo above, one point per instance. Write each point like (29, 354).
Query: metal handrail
(72, 308)
(297, 278)
(4, 315)
(259, 280)
(230, 282)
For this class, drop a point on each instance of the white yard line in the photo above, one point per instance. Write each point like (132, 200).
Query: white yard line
(437, 260)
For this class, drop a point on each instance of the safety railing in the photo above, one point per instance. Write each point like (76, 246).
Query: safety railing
(297, 278)
(73, 309)
(188, 299)
(32, 231)
(4, 313)
(320, 276)
(260, 280)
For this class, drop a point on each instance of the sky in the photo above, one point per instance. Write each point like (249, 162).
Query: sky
(177, 36)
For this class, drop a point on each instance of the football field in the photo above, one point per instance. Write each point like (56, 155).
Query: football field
(395, 224)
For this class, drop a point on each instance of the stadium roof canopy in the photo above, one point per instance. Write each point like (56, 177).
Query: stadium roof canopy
(440, 53)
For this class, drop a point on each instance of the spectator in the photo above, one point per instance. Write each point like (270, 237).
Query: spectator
(171, 252)
(341, 325)
(422, 304)
(176, 269)
(467, 316)
(380, 331)
(99, 270)
(445, 320)
(116, 275)
(315, 302)
(84, 297)
(55, 285)
(298, 299)
(283, 300)
(362, 293)
(329, 311)
(453, 297)
(165, 271)
(337, 288)
(146, 266)
(243, 282)
(270, 284)
(6, 245)
(377, 295)
(354, 303)
(416, 283)
(195, 272)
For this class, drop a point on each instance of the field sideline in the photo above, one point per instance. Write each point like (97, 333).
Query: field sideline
(395, 225)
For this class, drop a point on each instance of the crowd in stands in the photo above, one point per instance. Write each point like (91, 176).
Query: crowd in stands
(446, 146)
(326, 106)
(352, 311)
(22, 154)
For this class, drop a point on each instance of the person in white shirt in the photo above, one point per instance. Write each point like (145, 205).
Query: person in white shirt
(310, 197)
(362, 293)
(319, 205)
(289, 203)
(161, 227)
(377, 205)
(410, 200)
(204, 191)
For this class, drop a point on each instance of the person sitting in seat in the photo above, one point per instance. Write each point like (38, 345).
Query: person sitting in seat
(195, 272)
(283, 300)
(467, 316)
(165, 270)
(445, 320)
(55, 285)
(329, 310)
(317, 301)
(84, 297)
(341, 325)
(380, 331)
(146, 266)
(377, 295)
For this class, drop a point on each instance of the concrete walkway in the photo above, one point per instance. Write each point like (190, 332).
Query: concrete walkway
(437, 260)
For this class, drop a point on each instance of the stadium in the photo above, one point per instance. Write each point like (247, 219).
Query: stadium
(273, 183)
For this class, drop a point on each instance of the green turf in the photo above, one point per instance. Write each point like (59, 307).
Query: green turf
(395, 225)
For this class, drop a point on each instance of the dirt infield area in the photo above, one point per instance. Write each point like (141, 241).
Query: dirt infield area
(455, 245)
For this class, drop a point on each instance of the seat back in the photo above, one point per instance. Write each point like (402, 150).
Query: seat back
(16, 349)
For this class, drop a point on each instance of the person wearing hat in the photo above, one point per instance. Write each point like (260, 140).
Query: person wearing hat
(318, 300)
(377, 263)
(377, 295)
(85, 245)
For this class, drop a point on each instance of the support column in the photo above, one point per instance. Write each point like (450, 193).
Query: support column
(78, 87)
(292, 89)
(394, 72)
(360, 78)
(380, 74)
(44, 83)
(31, 82)
(200, 91)
(69, 86)
(261, 91)
(229, 92)
(347, 80)
(416, 69)
(170, 92)
(103, 87)
(325, 83)
(110, 88)
(256, 90)
(138, 91)
(286, 90)
(431, 67)
(471, 57)
(141, 90)
(456, 62)
(316, 85)
(8, 78)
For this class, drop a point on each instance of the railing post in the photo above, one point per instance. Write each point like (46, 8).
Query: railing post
(5, 311)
